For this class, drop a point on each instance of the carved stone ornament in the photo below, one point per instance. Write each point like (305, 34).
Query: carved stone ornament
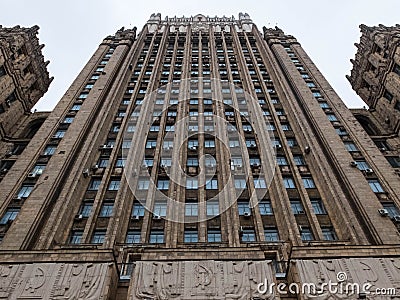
(374, 273)
(199, 280)
(53, 281)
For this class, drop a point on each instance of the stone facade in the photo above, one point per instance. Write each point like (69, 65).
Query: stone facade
(197, 159)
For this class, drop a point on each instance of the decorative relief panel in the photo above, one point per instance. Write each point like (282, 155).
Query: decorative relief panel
(54, 281)
(348, 274)
(199, 280)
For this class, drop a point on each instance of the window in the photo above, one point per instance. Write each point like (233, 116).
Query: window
(271, 127)
(297, 207)
(375, 186)
(392, 209)
(362, 165)
(329, 233)
(394, 161)
(332, 117)
(194, 101)
(133, 237)
(209, 143)
(137, 209)
(240, 183)
(191, 236)
(76, 237)
(286, 127)
(291, 142)
(259, 183)
(382, 145)
(289, 183)
(114, 185)
(281, 160)
(193, 144)
(68, 120)
(98, 237)
(317, 95)
(76, 107)
(94, 185)
(396, 69)
(311, 84)
(271, 234)
(156, 237)
(107, 209)
(9, 216)
(318, 207)
(305, 76)
(38, 170)
(151, 144)
(49, 150)
(388, 96)
(255, 161)
(248, 235)
(25, 191)
(214, 236)
(59, 134)
(160, 209)
(95, 77)
(212, 208)
(308, 183)
(234, 143)
(243, 208)
(306, 234)
(251, 144)
(163, 184)
(155, 128)
(397, 106)
(341, 131)
(191, 209)
(120, 163)
(212, 184)
(192, 184)
(2, 71)
(299, 160)
(143, 184)
(265, 207)
(86, 209)
(350, 147)
(323, 105)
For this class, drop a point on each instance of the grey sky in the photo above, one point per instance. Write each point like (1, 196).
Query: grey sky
(73, 29)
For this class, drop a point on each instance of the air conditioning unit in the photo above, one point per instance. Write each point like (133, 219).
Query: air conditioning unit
(157, 217)
(95, 167)
(382, 149)
(307, 149)
(241, 230)
(353, 164)
(136, 218)
(247, 214)
(383, 212)
(300, 228)
(4, 171)
(125, 277)
(278, 146)
(79, 217)
(194, 148)
(31, 175)
(369, 171)
(9, 153)
(396, 219)
(167, 149)
(86, 173)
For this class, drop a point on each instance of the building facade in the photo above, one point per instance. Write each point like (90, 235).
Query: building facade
(23, 81)
(201, 159)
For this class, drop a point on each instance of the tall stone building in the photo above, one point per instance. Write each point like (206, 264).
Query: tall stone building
(23, 81)
(376, 78)
(199, 159)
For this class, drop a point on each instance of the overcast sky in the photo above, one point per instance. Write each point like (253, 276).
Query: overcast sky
(73, 29)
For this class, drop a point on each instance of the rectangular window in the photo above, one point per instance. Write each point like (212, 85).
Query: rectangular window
(163, 184)
(156, 237)
(209, 143)
(396, 69)
(240, 183)
(308, 183)
(392, 209)
(291, 142)
(394, 161)
(68, 120)
(332, 117)
(289, 183)
(137, 209)
(49, 150)
(160, 209)
(212, 184)
(244, 208)
(248, 235)
(297, 207)
(38, 170)
(86, 209)
(265, 208)
(143, 184)
(107, 209)
(76, 237)
(306, 234)
(133, 237)
(286, 127)
(94, 185)
(191, 209)
(318, 207)
(362, 165)
(259, 183)
(212, 208)
(191, 236)
(375, 186)
(388, 96)
(59, 134)
(214, 236)
(329, 233)
(351, 147)
(98, 237)
(114, 185)
(25, 191)
(9, 216)
(151, 144)
(2, 71)
(271, 234)
(76, 107)
(120, 163)
(281, 160)
(192, 184)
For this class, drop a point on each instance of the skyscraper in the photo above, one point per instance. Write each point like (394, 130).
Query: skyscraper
(199, 159)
